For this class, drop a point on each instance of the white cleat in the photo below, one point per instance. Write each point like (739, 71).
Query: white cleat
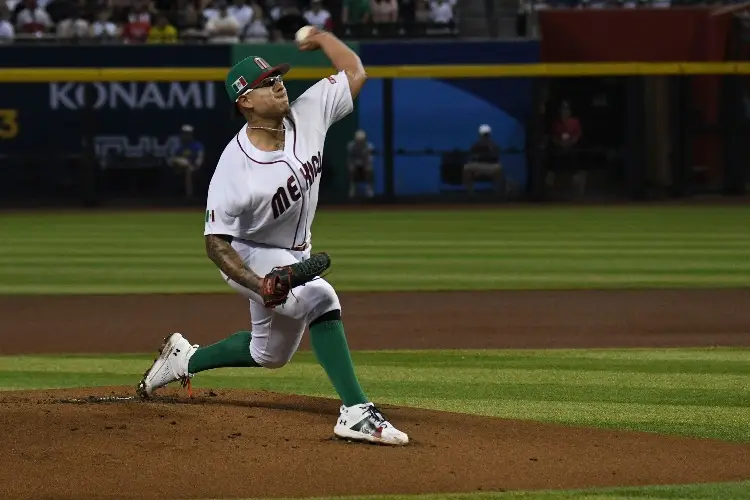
(170, 366)
(364, 422)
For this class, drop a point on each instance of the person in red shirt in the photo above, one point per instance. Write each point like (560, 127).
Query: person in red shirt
(137, 23)
(566, 131)
(566, 136)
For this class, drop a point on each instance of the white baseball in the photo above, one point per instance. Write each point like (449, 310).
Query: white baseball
(303, 33)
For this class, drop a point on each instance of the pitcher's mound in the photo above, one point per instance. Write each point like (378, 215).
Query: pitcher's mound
(102, 443)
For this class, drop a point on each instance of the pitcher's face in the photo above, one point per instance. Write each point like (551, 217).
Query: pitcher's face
(268, 99)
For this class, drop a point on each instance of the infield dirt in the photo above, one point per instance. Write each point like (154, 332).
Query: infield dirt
(231, 444)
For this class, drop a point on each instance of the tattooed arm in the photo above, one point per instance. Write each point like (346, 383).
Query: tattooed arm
(219, 250)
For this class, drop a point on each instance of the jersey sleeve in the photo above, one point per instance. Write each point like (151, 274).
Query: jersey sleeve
(227, 204)
(329, 100)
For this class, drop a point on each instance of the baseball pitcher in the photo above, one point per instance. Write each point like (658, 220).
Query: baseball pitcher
(260, 208)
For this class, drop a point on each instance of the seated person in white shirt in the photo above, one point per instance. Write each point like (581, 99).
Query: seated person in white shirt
(103, 27)
(318, 16)
(33, 18)
(7, 33)
(256, 30)
(442, 11)
(223, 28)
(74, 25)
(242, 12)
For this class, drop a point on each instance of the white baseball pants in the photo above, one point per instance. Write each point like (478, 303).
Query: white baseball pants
(277, 332)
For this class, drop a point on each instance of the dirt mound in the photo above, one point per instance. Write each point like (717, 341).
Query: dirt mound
(74, 444)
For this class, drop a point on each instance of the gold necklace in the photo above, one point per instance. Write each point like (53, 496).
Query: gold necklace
(282, 129)
(280, 141)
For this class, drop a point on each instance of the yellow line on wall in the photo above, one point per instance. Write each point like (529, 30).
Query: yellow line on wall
(43, 75)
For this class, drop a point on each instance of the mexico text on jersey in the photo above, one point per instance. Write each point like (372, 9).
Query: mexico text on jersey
(271, 197)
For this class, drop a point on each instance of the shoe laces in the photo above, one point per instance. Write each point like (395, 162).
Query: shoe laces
(373, 412)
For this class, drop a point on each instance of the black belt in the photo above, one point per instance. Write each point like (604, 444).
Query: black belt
(300, 248)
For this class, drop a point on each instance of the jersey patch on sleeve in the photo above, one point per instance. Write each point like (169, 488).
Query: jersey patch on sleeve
(210, 216)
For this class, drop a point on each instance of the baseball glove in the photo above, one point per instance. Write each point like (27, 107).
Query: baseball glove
(277, 284)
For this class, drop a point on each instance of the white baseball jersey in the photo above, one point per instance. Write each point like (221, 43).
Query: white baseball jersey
(271, 197)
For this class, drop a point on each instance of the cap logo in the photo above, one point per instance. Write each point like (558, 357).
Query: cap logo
(262, 64)
(239, 84)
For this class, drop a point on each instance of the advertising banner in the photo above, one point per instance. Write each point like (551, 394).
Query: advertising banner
(132, 126)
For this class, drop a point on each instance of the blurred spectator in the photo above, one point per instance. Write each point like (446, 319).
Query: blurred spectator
(187, 158)
(356, 11)
(566, 134)
(566, 130)
(318, 16)
(484, 161)
(280, 8)
(16, 6)
(6, 28)
(137, 22)
(407, 10)
(384, 11)
(32, 18)
(223, 27)
(256, 31)
(211, 8)
(441, 11)
(359, 164)
(74, 26)
(288, 19)
(162, 31)
(242, 12)
(422, 13)
(157, 6)
(189, 21)
(60, 9)
(103, 28)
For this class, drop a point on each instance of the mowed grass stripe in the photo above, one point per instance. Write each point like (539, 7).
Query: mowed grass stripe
(715, 405)
(583, 380)
(709, 491)
(484, 249)
(642, 361)
(474, 385)
(551, 251)
(538, 238)
(696, 361)
(551, 265)
(702, 220)
(481, 357)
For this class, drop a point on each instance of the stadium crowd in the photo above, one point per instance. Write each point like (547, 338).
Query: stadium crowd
(213, 21)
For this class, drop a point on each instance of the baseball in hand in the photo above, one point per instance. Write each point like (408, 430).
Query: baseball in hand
(303, 33)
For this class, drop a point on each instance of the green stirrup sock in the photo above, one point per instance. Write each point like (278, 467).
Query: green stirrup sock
(233, 351)
(329, 345)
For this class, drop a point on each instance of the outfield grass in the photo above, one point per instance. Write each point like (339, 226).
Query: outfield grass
(723, 491)
(388, 250)
(693, 392)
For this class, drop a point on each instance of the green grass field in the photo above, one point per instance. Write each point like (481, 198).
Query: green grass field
(149, 252)
(693, 392)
